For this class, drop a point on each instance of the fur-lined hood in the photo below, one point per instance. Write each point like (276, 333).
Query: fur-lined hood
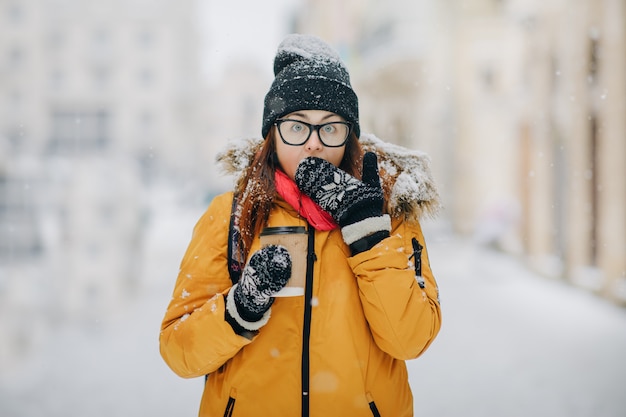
(413, 194)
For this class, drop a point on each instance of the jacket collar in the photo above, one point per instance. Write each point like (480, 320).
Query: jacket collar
(414, 193)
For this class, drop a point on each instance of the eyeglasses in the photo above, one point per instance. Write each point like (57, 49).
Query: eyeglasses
(296, 132)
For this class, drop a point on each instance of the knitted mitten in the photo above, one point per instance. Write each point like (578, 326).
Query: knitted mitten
(249, 301)
(357, 206)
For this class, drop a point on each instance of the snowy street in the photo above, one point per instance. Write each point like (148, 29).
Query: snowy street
(515, 344)
(121, 120)
(512, 344)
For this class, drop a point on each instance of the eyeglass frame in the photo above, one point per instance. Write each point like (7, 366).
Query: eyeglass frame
(312, 128)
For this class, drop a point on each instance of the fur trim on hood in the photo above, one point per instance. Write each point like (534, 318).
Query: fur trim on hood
(413, 194)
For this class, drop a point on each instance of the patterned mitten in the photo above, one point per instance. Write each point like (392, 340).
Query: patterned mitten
(248, 302)
(357, 206)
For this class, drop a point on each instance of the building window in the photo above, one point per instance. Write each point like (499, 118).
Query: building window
(146, 77)
(487, 77)
(15, 12)
(77, 132)
(146, 39)
(556, 72)
(15, 56)
(57, 79)
(15, 101)
(19, 233)
(101, 77)
(55, 41)
(101, 50)
(594, 60)
(101, 38)
(15, 138)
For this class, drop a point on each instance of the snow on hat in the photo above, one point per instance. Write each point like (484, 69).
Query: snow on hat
(309, 75)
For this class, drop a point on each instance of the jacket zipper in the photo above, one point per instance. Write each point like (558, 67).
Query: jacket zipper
(417, 259)
(229, 407)
(374, 409)
(306, 328)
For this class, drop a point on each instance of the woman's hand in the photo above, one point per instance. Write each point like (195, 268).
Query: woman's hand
(357, 206)
(266, 273)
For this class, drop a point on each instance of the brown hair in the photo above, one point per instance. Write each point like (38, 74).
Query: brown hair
(256, 190)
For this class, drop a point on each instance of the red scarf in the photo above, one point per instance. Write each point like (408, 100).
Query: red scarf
(307, 208)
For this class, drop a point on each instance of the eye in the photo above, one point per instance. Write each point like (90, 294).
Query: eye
(329, 129)
(297, 127)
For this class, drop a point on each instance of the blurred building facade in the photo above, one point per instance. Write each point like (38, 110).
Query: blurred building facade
(233, 111)
(522, 107)
(520, 103)
(97, 99)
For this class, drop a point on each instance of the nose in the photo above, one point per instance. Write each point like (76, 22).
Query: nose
(314, 142)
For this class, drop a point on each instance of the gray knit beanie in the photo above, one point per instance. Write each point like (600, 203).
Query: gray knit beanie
(309, 75)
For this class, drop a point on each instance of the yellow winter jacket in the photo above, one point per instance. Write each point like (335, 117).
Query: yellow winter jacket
(343, 357)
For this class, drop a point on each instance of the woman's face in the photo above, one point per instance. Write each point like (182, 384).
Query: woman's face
(290, 156)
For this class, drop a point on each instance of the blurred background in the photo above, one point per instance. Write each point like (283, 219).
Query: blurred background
(111, 113)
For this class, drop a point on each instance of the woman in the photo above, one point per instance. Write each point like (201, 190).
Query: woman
(370, 302)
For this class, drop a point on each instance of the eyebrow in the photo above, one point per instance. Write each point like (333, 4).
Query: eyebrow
(303, 115)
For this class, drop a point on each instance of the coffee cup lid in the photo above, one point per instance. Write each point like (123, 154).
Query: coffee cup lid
(283, 230)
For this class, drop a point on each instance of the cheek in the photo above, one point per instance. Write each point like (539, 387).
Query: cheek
(289, 159)
(335, 156)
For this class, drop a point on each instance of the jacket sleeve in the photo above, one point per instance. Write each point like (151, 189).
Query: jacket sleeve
(195, 339)
(404, 317)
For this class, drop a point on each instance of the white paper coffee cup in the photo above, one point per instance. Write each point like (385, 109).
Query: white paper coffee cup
(295, 240)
